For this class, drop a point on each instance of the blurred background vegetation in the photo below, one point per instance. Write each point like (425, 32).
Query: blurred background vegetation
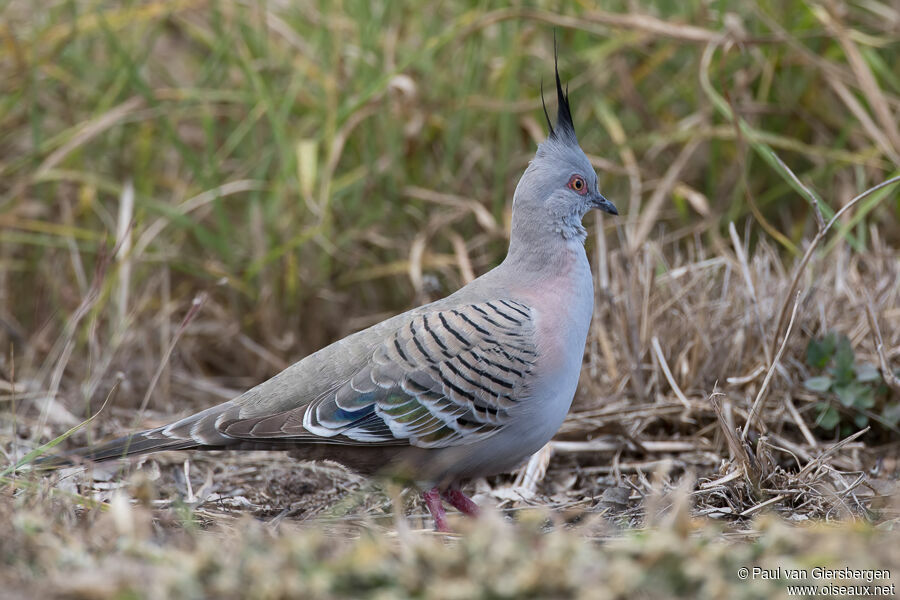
(315, 166)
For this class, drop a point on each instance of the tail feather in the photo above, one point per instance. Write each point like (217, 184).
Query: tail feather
(130, 445)
(198, 431)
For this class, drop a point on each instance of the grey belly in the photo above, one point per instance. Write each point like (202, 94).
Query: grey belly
(428, 467)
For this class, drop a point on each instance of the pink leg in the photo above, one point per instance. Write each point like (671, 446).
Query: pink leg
(461, 502)
(436, 508)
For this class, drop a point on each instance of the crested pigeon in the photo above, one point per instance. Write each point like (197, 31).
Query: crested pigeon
(468, 386)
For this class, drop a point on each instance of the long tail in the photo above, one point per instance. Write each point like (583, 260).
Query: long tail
(194, 432)
(141, 442)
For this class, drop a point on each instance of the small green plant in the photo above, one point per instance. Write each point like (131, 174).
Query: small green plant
(857, 386)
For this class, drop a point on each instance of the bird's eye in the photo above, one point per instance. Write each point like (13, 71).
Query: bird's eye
(577, 183)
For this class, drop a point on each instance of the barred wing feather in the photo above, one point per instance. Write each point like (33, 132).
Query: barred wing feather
(446, 377)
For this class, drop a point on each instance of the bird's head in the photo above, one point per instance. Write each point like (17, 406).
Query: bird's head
(559, 186)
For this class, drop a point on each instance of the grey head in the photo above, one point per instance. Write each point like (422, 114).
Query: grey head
(559, 186)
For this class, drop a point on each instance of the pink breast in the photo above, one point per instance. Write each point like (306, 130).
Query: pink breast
(563, 307)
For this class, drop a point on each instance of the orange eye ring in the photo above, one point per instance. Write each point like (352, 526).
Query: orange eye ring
(577, 184)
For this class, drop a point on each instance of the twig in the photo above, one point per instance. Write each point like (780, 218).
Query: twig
(891, 380)
(665, 368)
(745, 271)
(760, 396)
(789, 446)
(466, 273)
(43, 448)
(191, 204)
(864, 76)
(735, 447)
(124, 228)
(744, 379)
(761, 505)
(483, 216)
(63, 347)
(736, 474)
(810, 196)
(829, 451)
(416, 253)
(15, 424)
(815, 242)
(862, 115)
(89, 130)
(859, 479)
(602, 267)
(534, 471)
(593, 446)
(191, 313)
(798, 419)
(650, 212)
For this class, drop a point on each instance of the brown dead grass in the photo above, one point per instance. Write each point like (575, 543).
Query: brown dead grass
(679, 351)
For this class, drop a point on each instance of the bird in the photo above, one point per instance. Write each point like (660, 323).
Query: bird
(467, 386)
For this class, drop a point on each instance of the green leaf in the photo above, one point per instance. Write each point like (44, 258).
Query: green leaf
(845, 395)
(861, 420)
(843, 361)
(828, 417)
(855, 394)
(891, 413)
(822, 383)
(866, 372)
(865, 399)
(819, 352)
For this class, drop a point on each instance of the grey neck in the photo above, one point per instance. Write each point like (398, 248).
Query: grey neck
(543, 249)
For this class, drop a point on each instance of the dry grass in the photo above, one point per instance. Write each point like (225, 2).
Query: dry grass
(52, 551)
(193, 195)
(672, 401)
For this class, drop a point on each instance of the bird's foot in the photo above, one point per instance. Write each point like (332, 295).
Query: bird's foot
(461, 502)
(436, 508)
(457, 500)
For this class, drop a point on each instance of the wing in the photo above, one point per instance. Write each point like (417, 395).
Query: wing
(446, 377)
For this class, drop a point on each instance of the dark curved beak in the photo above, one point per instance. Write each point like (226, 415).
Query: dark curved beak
(604, 205)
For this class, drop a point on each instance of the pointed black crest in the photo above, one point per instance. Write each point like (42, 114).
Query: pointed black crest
(544, 104)
(565, 129)
(564, 125)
